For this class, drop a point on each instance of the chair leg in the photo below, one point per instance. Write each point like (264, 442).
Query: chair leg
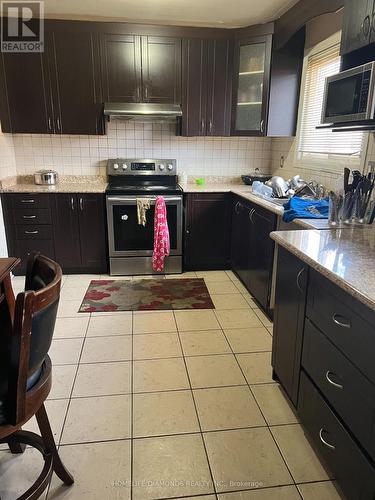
(46, 433)
(16, 448)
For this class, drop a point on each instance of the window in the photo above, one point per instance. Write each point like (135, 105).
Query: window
(315, 145)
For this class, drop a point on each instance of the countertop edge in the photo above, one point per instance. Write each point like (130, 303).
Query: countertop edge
(333, 277)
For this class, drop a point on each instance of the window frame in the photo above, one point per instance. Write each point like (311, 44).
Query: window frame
(323, 163)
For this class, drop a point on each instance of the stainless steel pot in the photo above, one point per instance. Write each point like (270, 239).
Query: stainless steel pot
(46, 177)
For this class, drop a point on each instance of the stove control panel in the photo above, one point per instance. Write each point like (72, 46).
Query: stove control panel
(119, 166)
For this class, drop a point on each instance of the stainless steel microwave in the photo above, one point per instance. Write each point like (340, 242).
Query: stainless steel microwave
(349, 96)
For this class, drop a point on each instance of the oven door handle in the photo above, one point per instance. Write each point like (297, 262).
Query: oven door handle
(133, 199)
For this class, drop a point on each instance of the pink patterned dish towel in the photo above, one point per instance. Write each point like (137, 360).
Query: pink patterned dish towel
(161, 235)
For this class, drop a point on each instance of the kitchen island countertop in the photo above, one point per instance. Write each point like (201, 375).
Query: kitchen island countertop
(344, 256)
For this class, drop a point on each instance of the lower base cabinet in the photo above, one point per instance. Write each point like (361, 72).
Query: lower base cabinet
(207, 231)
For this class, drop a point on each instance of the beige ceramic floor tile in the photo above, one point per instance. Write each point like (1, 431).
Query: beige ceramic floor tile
(101, 326)
(220, 287)
(156, 345)
(263, 318)
(99, 349)
(164, 413)
(274, 405)
(240, 287)
(65, 351)
(214, 371)
(103, 379)
(74, 292)
(227, 408)
(280, 493)
(318, 491)
(270, 330)
(56, 411)
(97, 419)
(298, 454)
(231, 275)
(160, 375)
(66, 328)
(250, 300)
(229, 301)
(249, 339)
(213, 276)
(243, 318)
(187, 275)
(196, 320)
(72, 280)
(256, 367)
(202, 343)
(62, 381)
(69, 309)
(187, 472)
(19, 472)
(154, 322)
(101, 472)
(245, 459)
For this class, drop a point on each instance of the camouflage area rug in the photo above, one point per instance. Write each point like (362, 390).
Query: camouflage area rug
(146, 295)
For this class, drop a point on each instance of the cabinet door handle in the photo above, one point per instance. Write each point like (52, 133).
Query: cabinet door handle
(49, 124)
(298, 280)
(366, 25)
(330, 446)
(237, 207)
(343, 322)
(58, 124)
(251, 213)
(138, 94)
(72, 203)
(29, 217)
(262, 126)
(81, 204)
(27, 201)
(187, 231)
(32, 232)
(328, 378)
(202, 126)
(147, 92)
(210, 126)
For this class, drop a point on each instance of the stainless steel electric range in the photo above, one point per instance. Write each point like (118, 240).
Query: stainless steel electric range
(130, 244)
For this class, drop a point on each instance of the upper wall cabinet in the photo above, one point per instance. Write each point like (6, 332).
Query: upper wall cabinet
(61, 91)
(250, 99)
(266, 86)
(207, 84)
(359, 25)
(141, 68)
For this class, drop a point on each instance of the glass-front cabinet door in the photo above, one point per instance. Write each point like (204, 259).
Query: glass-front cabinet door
(251, 89)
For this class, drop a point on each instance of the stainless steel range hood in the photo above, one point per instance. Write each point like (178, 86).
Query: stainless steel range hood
(142, 111)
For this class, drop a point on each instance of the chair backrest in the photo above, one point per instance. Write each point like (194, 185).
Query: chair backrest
(34, 323)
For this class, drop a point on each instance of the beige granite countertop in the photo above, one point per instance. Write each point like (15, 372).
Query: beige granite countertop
(66, 184)
(344, 256)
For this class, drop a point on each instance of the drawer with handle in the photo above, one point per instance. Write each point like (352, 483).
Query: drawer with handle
(347, 390)
(32, 216)
(352, 470)
(346, 322)
(30, 200)
(34, 232)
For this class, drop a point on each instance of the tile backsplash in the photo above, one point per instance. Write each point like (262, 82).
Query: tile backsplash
(87, 155)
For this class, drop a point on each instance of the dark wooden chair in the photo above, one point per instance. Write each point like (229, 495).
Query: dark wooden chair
(25, 370)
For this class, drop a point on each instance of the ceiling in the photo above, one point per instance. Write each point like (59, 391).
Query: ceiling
(214, 13)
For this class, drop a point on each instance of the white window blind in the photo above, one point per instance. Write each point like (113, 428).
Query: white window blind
(323, 143)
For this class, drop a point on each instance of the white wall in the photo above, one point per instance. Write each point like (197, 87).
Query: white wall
(7, 168)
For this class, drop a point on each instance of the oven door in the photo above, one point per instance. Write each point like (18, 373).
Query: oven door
(127, 238)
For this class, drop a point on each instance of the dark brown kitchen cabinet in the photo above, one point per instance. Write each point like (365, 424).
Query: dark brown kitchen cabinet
(358, 25)
(207, 231)
(252, 249)
(25, 108)
(75, 80)
(251, 82)
(79, 232)
(141, 68)
(207, 74)
(62, 94)
(289, 318)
